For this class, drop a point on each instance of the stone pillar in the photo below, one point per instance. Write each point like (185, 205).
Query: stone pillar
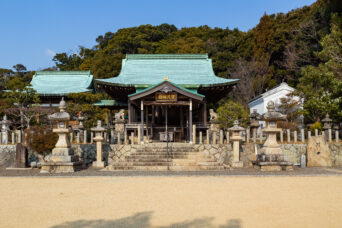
(132, 138)
(78, 137)
(337, 136)
(71, 137)
(125, 138)
(302, 134)
(0, 138)
(254, 134)
(214, 137)
(208, 137)
(329, 135)
(221, 136)
(248, 133)
(105, 137)
(316, 132)
(260, 137)
(227, 136)
(194, 134)
(13, 138)
(288, 133)
(111, 136)
(91, 137)
(85, 136)
(295, 136)
(19, 137)
(139, 136)
(309, 134)
(119, 138)
(281, 136)
(236, 154)
(200, 138)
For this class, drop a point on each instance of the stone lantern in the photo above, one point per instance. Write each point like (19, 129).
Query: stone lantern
(327, 122)
(271, 157)
(4, 130)
(98, 131)
(63, 159)
(254, 123)
(236, 137)
(80, 127)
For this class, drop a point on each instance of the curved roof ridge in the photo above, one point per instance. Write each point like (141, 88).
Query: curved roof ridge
(166, 56)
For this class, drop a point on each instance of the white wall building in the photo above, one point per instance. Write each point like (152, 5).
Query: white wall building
(259, 103)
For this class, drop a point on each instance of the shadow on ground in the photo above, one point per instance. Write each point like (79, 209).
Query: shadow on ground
(142, 220)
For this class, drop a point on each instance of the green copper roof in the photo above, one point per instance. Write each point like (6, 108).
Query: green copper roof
(178, 86)
(110, 103)
(59, 83)
(187, 70)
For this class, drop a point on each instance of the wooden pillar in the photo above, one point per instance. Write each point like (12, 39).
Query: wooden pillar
(190, 121)
(181, 115)
(205, 113)
(146, 112)
(129, 112)
(142, 121)
(153, 114)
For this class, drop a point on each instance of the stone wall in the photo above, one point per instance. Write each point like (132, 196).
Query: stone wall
(7, 155)
(336, 154)
(293, 152)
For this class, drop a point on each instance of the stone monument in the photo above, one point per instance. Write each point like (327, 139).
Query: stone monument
(326, 126)
(254, 123)
(4, 130)
(21, 156)
(62, 159)
(271, 157)
(98, 130)
(318, 153)
(236, 137)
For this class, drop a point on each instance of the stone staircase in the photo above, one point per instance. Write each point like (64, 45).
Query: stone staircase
(153, 157)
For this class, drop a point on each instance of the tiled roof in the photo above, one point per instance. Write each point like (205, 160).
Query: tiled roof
(187, 70)
(59, 83)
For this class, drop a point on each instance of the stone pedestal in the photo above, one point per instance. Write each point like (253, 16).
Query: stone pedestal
(120, 126)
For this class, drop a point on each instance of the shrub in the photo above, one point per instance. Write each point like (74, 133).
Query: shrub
(41, 139)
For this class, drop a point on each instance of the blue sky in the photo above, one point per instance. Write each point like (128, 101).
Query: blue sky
(32, 31)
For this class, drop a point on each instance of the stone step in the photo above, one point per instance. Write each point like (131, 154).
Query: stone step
(126, 163)
(195, 168)
(165, 168)
(147, 159)
(164, 150)
(138, 168)
(155, 156)
(164, 153)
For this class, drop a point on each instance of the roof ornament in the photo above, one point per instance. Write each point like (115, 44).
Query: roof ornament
(166, 89)
(166, 78)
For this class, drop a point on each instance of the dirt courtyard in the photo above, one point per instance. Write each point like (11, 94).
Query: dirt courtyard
(171, 201)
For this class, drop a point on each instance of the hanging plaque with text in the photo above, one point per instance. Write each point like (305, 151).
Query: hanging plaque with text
(166, 97)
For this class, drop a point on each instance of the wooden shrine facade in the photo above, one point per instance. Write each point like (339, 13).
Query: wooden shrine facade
(166, 108)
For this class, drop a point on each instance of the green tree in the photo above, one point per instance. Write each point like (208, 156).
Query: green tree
(230, 111)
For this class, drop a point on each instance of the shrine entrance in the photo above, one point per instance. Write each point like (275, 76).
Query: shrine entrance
(166, 107)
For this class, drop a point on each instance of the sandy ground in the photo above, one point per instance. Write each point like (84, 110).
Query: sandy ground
(171, 201)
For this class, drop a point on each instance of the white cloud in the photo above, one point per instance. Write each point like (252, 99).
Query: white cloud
(50, 53)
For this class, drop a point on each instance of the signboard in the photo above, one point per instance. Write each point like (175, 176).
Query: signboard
(166, 97)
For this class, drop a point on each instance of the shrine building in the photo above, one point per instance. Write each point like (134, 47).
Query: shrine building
(166, 93)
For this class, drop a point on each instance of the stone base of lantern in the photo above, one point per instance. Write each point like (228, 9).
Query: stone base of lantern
(272, 162)
(62, 160)
(99, 164)
(238, 164)
(60, 167)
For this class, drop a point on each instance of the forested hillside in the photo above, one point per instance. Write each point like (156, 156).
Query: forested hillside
(302, 47)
